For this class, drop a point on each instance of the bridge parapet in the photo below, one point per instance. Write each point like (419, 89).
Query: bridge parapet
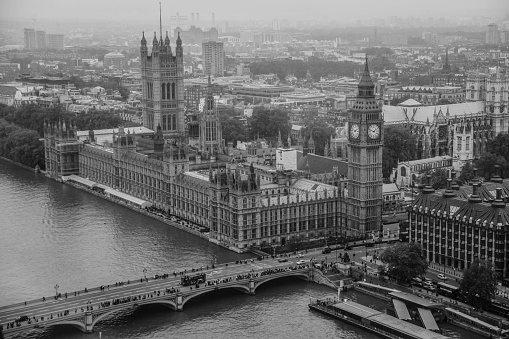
(175, 298)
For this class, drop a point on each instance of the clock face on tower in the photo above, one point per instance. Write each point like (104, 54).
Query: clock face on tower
(373, 131)
(354, 131)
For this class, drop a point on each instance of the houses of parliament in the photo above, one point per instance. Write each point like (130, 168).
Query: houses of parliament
(242, 205)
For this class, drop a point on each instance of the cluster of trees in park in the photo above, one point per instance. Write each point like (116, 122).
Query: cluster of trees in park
(268, 123)
(21, 145)
(109, 85)
(21, 129)
(317, 68)
(404, 261)
(399, 145)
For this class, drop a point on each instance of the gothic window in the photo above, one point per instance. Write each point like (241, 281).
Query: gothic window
(163, 91)
(174, 122)
(164, 123)
(173, 95)
(493, 94)
(168, 93)
(459, 144)
(467, 144)
(492, 108)
(471, 92)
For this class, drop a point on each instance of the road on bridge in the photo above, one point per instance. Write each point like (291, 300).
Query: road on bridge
(76, 303)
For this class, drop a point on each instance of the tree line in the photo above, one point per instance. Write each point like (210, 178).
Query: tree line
(22, 128)
(317, 68)
(268, 123)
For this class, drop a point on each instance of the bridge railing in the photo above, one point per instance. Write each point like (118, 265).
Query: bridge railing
(133, 281)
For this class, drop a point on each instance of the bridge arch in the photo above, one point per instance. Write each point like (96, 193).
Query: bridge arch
(134, 305)
(240, 287)
(302, 274)
(76, 323)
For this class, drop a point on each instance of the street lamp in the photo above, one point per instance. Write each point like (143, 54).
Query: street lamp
(145, 273)
(56, 290)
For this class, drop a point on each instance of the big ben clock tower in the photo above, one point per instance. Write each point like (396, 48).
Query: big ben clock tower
(365, 142)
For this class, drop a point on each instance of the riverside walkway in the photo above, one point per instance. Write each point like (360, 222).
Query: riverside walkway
(83, 309)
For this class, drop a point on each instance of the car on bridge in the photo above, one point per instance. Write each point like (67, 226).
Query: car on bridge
(22, 318)
(282, 260)
(300, 262)
(326, 250)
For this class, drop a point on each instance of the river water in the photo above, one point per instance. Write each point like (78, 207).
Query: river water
(51, 233)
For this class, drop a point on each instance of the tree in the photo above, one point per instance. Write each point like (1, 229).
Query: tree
(268, 122)
(439, 178)
(124, 92)
(321, 133)
(467, 173)
(233, 129)
(500, 146)
(479, 284)
(399, 145)
(486, 164)
(404, 262)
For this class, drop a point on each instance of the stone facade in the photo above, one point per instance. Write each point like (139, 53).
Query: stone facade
(365, 142)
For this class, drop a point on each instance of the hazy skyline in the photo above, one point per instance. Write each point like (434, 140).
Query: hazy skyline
(330, 10)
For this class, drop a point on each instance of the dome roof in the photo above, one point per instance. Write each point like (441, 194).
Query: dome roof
(114, 55)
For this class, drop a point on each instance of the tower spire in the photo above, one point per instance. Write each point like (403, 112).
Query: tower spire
(160, 22)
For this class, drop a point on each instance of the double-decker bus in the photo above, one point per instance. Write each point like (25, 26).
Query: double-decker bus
(193, 279)
(447, 290)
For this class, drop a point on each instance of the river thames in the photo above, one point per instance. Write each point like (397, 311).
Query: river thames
(53, 234)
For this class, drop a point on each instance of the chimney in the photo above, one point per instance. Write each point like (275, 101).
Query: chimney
(428, 188)
(496, 178)
(474, 197)
(498, 202)
(449, 193)
(454, 184)
(475, 180)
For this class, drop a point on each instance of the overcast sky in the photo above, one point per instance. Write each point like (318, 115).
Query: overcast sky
(253, 9)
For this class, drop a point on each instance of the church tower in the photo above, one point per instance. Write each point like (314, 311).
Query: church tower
(365, 142)
(162, 82)
(211, 136)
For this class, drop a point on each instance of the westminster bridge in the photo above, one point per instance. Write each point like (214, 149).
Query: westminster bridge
(83, 309)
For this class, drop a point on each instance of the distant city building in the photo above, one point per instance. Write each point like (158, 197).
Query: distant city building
(213, 58)
(196, 35)
(114, 59)
(276, 25)
(492, 34)
(30, 38)
(55, 41)
(41, 39)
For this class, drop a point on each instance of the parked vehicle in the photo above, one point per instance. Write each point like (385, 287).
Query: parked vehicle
(441, 276)
(326, 250)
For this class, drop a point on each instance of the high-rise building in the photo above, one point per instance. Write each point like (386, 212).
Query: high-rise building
(213, 58)
(365, 142)
(275, 25)
(41, 39)
(492, 34)
(55, 41)
(30, 39)
(162, 80)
